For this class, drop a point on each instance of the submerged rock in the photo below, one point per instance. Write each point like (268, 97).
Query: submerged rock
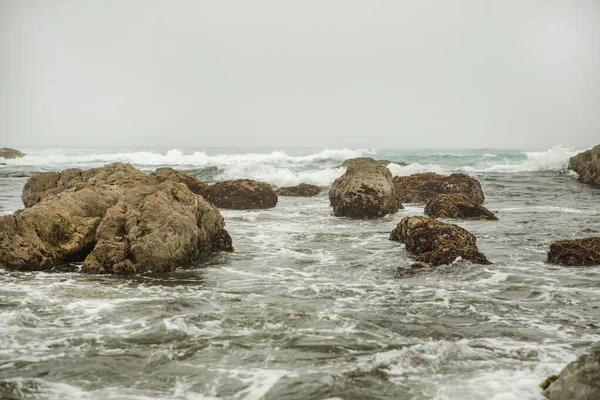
(167, 173)
(114, 219)
(365, 191)
(575, 252)
(579, 380)
(418, 188)
(241, 194)
(587, 166)
(8, 153)
(436, 243)
(301, 190)
(456, 206)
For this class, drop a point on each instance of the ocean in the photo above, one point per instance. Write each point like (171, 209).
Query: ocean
(311, 306)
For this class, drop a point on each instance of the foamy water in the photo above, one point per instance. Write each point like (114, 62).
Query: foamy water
(310, 306)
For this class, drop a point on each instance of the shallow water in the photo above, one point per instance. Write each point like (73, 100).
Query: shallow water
(311, 306)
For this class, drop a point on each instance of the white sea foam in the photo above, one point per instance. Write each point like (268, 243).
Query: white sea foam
(553, 159)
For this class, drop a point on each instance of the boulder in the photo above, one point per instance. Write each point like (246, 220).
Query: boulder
(587, 166)
(575, 252)
(365, 191)
(436, 243)
(301, 190)
(456, 206)
(241, 194)
(385, 163)
(8, 153)
(579, 380)
(167, 173)
(418, 188)
(115, 219)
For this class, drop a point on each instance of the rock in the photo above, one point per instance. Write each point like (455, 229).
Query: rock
(418, 188)
(365, 191)
(167, 173)
(437, 243)
(575, 252)
(301, 190)
(8, 153)
(114, 219)
(587, 166)
(456, 206)
(381, 162)
(579, 380)
(241, 194)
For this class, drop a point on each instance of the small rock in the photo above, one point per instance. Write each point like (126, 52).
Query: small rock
(418, 188)
(456, 206)
(575, 252)
(301, 190)
(241, 194)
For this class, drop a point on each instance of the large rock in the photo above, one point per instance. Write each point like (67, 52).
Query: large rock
(587, 166)
(114, 219)
(456, 206)
(170, 174)
(575, 252)
(301, 190)
(385, 163)
(241, 194)
(579, 380)
(436, 243)
(418, 188)
(365, 191)
(8, 153)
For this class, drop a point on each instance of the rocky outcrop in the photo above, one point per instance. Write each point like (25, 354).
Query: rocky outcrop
(436, 243)
(301, 190)
(579, 380)
(8, 153)
(241, 194)
(456, 206)
(365, 191)
(418, 188)
(385, 163)
(575, 252)
(114, 219)
(587, 166)
(170, 174)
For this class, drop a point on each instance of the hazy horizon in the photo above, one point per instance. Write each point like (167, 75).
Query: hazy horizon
(316, 74)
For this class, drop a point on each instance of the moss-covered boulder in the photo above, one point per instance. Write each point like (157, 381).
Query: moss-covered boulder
(301, 190)
(418, 188)
(114, 219)
(575, 252)
(456, 206)
(241, 194)
(365, 191)
(170, 174)
(587, 166)
(579, 380)
(437, 243)
(8, 153)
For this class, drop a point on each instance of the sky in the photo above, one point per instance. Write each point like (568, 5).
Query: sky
(331, 73)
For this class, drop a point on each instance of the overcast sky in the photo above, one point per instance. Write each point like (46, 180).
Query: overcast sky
(343, 73)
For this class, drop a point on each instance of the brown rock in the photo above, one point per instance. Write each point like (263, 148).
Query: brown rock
(579, 380)
(116, 220)
(587, 166)
(437, 243)
(301, 190)
(8, 153)
(167, 173)
(575, 252)
(418, 188)
(456, 206)
(365, 191)
(385, 163)
(241, 194)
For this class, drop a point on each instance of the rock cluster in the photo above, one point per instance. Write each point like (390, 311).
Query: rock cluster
(418, 188)
(8, 153)
(437, 243)
(575, 252)
(241, 194)
(456, 206)
(365, 191)
(587, 166)
(114, 219)
(301, 190)
(579, 380)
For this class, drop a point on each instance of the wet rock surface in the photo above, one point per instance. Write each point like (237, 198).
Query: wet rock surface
(241, 194)
(456, 206)
(418, 188)
(301, 190)
(579, 380)
(587, 166)
(114, 219)
(575, 252)
(437, 243)
(365, 191)
(170, 174)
